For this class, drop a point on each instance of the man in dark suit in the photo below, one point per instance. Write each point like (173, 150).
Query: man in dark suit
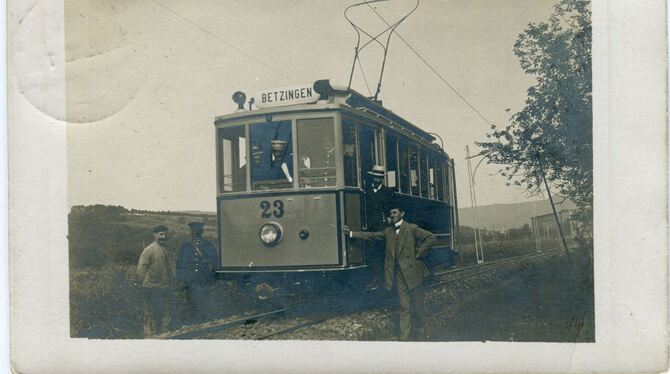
(196, 263)
(377, 199)
(403, 265)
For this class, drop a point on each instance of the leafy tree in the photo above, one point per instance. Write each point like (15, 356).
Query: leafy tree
(553, 132)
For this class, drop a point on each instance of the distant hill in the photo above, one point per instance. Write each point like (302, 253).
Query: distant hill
(198, 213)
(100, 235)
(505, 216)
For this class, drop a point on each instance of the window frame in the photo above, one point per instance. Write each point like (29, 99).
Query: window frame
(275, 119)
(377, 148)
(395, 136)
(220, 161)
(355, 124)
(424, 191)
(297, 150)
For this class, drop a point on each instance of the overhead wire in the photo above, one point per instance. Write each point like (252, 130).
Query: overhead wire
(239, 50)
(385, 47)
(432, 69)
(392, 29)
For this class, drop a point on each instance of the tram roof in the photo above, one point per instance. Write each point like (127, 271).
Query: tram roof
(342, 97)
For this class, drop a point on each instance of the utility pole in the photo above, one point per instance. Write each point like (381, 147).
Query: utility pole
(553, 208)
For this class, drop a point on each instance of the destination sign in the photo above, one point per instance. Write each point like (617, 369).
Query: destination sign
(298, 94)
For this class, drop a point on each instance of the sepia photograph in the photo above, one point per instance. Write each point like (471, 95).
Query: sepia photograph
(416, 176)
(262, 194)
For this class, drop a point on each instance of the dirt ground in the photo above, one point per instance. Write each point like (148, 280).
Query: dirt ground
(535, 301)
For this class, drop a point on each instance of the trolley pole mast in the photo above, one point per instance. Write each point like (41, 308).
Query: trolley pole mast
(479, 249)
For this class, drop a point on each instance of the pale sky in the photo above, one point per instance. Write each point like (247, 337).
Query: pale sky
(144, 84)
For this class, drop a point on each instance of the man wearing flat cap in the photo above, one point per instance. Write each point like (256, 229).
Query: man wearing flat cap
(155, 274)
(196, 263)
(377, 200)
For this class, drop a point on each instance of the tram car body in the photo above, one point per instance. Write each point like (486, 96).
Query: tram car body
(292, 171)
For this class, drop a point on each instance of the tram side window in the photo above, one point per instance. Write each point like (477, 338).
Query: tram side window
(431, 175)
(414, 169)
(349, 143)
(316, 152)
(271, 155)
(392, 162)
(439, 180)
(234, 159)
(423, 173)
(447, 183)
(403, 148)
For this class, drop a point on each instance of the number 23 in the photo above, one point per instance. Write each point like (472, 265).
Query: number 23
(267, 212)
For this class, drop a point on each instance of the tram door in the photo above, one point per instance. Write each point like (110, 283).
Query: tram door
(369, 155)
(369, 144)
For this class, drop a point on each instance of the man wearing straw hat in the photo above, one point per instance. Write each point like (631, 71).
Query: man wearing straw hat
(377, 199)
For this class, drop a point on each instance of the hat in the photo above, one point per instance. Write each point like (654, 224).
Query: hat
(160, 228)
(378, 171)
(196, 225)
(278, 145)
(394, 205)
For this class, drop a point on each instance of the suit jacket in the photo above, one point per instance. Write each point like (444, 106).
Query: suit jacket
(376, 205)
(402, 249)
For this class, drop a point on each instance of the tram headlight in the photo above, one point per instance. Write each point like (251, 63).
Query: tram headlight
(270, 234)
(239, 98)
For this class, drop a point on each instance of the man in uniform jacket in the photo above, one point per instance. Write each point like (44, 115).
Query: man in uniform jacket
(155, 275)
(403, 265)
(377, 199)
(196, 263)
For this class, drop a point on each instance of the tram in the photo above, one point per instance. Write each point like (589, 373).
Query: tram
(291, 171)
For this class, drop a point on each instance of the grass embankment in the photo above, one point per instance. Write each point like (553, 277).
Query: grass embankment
(105, 244)
(545, 300)
(105, 302)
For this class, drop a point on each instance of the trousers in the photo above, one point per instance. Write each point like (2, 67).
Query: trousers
(198, 302)
(156, 316)
(374, 258)
(411, 303)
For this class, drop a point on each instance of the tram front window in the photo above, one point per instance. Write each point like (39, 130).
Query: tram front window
(316, 152)
(234, 159)
(271, 155)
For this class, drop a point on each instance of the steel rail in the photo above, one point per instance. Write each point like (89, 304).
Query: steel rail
(188, 332)
(445, 277)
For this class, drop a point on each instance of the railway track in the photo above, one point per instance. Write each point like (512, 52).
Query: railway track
(218, 325)
(447, 276)
(274, 323)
